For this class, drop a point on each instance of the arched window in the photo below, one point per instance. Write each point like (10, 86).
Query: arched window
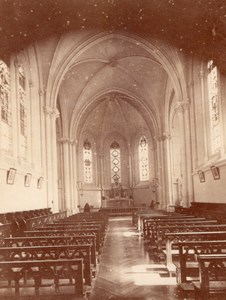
(22, 111)
(143, 159)
(22, 100)
(213, 99)
(5, 106)
(4, 92)
(87, 162)
(115, 157)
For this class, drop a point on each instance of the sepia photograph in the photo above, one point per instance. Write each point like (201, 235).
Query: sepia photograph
(112, 149)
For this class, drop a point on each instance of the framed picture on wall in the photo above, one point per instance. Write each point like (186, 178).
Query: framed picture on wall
(201, 176)
(39, 182)
(27, 180)
(11, 174)
(215, 172)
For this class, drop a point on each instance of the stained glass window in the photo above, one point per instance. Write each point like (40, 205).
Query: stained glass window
(115, 157)
(143, 159)
(4, 92)
(214, 107)
(22, 101)
(87, 160)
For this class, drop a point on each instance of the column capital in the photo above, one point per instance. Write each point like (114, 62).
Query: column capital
(73, 142)
(64, 140)
(181, 106)
(51, 112)
(162, 136)
(41, 92)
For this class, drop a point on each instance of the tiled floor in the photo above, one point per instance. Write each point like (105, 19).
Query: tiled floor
(127, 270)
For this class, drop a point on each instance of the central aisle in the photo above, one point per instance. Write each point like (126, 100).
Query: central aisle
(126, 270)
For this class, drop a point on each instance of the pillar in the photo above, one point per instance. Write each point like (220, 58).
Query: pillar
(48, 156)
(161, 157)
(74, 176)
(186, 153)
(204, 117)
(66, 174)
(55, 206)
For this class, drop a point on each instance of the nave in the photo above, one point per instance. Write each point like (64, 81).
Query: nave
(128, 270)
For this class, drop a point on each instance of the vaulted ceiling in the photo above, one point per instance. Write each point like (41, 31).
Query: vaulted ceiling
(121, 78)
(194, 26)
(116, 70)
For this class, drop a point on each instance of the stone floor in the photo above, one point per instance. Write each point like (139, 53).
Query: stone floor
(127, 269)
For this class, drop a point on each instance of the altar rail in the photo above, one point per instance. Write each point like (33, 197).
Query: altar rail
(119, 210)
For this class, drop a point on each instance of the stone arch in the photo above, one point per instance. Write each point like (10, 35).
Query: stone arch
(174, 69)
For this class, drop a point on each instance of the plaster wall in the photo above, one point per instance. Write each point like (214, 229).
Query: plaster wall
(211, 190)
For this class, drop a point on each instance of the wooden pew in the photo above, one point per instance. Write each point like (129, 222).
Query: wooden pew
(50, 252)
(212, 272)
(153, 228)
(140, 215)
(209, 210)
(90, 216)
(175, 237)
(53, 241)
(146, 220)
(187, 265)
(101, 223)
(66, 227)
(66, 232)
(162, 230)
(5, 230)
(40, 270)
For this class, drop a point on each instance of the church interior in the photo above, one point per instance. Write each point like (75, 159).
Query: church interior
(112, 149)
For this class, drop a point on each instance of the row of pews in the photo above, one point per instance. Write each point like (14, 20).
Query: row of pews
(192, 247)
(58, 258)
(14, 223)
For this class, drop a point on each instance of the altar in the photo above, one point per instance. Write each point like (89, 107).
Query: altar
(117, 196)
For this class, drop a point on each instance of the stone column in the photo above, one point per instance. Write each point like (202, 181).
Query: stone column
(101, 166)
(73, 167)
(48, 156)
(187, 127)
(60, 175)
(185, 138)
(130, 167)
(161, 171)
(66, 174)
(167, 147)
(204, 117)
(54, 116)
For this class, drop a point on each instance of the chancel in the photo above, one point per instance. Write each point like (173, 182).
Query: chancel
(112, 149)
